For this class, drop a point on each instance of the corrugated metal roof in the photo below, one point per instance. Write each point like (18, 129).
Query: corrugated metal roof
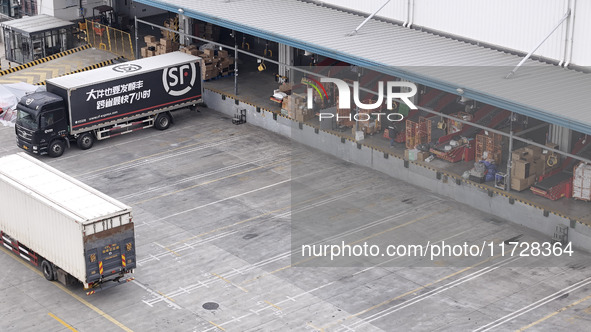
(540, 90)
(37, 23)
(64, 192)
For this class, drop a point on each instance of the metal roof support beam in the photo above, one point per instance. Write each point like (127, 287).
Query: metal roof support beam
(540, 44)
(523, 132)
(367, 19)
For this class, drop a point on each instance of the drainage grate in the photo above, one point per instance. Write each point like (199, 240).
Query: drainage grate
(210, 306)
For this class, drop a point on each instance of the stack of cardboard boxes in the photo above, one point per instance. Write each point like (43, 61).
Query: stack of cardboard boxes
(582, 182)
(157, 47)
(170, 24)
(296, 107)
(207, 31)
(213, 62)
(529, 163)
(416, 155)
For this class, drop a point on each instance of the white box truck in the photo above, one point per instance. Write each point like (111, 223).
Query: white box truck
(107, 102)
(68, 229)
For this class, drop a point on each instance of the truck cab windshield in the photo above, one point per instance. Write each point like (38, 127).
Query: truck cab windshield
(27, 120)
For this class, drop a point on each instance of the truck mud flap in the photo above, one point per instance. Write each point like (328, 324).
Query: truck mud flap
(108, 284)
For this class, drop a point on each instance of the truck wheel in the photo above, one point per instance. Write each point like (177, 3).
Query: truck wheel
(85, 141)
(162, 121)
(56, 148)
(47, 270)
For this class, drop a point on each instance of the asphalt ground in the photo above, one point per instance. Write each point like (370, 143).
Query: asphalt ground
(216, 207)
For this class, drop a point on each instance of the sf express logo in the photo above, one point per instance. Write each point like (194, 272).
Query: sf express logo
(179, 80)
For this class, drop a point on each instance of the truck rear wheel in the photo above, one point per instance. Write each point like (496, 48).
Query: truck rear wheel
(56, 148)
(48, 272)
(85, 141)
(162, 121)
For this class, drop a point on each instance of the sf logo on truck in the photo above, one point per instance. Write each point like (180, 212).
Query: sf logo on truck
(179, 80)
(127, 68)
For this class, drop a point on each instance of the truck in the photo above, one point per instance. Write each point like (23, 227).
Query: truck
(64, 227)
(107, 102)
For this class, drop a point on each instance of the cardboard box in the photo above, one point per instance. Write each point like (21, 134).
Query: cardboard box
(537, 167)
(410, 154)
(422, 155)
(534, 150)
(299, 114)
(522, 154)
(520, 169)
(149, 39)
(285, 87)
(519, 184)
(209, 53)
(144, 52)
(223, 54)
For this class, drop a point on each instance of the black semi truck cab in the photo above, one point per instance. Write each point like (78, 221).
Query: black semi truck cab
(42, 119)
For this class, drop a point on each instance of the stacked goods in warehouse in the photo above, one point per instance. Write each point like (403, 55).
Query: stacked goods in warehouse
(209, 64)
(191, 49)
(213, 62)
(529, 163)
(582, 182)
(170, 24)
(416, 155)
(154, 47)
(207, 31)
(296, 107)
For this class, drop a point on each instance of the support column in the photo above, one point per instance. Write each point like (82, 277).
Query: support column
(185, 29)
(285, 57)
(235, 63)
(561, 136)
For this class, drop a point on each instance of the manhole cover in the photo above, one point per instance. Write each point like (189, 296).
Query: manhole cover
(249, 236)
(210, 306)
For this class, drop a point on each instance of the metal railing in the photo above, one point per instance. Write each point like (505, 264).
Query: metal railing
(109, 39)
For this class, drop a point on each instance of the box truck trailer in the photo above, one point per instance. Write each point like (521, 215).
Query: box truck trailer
(66, 228)
(107, 102)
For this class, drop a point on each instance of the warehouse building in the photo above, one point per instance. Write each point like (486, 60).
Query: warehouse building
(502, 118)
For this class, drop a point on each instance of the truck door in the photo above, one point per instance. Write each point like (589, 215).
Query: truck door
(52, 124)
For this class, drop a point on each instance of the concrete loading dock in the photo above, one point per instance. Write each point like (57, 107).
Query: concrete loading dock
(213, 233)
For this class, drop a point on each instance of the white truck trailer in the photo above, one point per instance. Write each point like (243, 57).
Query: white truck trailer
(68, 229)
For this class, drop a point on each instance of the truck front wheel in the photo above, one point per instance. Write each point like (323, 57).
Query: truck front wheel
(163, 121)
(56, 148)
(85, 141)
(48, 272)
